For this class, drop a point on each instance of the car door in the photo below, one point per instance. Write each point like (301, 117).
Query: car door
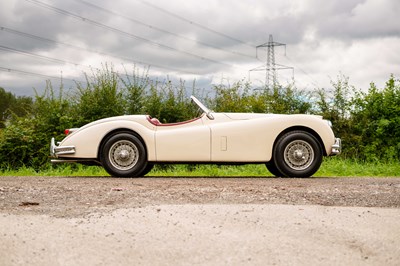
(239, 141)
(183, 142)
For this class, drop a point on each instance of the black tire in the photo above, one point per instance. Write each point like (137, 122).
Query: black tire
(146, 170)
(124, 155)
(297, 154)
(272, 169)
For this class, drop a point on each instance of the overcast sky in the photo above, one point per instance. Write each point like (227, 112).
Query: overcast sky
(211, 41)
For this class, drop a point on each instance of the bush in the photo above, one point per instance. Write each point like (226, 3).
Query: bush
(25, 142)
(99, 98)
(241, 98)
(376, 122)
(368, 122)
(134, 89)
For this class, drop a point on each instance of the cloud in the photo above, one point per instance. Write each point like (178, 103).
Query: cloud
(199, 39)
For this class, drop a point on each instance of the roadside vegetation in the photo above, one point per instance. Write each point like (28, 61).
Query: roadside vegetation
(331, 167)
(367, 120)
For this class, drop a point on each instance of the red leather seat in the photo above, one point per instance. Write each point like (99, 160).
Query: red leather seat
(157, 122)
(153, 120)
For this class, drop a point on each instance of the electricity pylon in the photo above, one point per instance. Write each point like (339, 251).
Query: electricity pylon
(270, 67)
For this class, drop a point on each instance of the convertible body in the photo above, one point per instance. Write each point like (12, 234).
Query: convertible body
(130, 145)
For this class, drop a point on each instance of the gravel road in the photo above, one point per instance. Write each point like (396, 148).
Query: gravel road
(199, 221)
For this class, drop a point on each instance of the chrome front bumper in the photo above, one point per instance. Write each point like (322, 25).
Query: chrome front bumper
(55, 150)
(337, 147)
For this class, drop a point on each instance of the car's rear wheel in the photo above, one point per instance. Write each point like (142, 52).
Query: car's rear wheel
(272, 169)
(124, 155)
(297, 154)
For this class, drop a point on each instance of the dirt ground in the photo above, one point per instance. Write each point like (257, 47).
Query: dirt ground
(203, 221)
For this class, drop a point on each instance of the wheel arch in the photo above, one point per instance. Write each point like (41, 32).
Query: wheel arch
(118, 131)
(302, 128)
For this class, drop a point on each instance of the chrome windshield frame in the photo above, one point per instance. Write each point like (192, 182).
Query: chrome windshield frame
(207, 111)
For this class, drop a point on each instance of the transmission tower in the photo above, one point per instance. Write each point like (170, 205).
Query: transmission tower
(270, 66)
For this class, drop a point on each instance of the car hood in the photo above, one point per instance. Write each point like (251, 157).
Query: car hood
(247, 116)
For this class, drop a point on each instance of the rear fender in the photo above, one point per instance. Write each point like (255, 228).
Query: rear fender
(87, 140)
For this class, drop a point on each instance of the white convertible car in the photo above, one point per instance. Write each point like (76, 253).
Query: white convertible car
(129, 146)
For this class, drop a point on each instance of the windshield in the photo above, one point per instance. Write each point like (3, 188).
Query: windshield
(202, 107)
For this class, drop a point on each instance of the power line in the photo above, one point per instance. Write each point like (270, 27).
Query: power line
(51, 59)
(313, 81)
(152, 27)
(195, 23)
(101, 25)
(23, 72)
(27, 35)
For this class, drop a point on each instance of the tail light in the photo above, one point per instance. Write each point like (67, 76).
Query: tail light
(69, 131)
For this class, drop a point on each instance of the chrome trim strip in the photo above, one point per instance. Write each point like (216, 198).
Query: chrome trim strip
(61, 150)
(72, 130)
(63, 161)
(73, 160)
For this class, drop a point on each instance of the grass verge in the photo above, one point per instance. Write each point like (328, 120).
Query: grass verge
(331, 167)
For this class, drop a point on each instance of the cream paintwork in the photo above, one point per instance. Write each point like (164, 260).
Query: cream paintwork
(87, 139)
(252, 139)
(184, 143)
(229, 137)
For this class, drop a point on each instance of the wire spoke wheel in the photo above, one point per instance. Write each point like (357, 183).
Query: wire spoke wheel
(299, 155)
(123, 155)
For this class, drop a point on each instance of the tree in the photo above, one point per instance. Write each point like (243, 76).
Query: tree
(13, 106)
(6, 100)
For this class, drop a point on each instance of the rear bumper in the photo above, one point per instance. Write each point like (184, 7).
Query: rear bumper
(55, 150)
(337, 147)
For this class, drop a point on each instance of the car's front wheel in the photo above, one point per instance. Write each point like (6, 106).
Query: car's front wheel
(297, 154)
(146, 170)
(124, 155)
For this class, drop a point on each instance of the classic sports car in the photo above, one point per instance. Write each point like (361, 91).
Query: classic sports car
(130, 145)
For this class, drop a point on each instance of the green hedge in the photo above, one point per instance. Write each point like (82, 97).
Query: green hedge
(367, 121)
